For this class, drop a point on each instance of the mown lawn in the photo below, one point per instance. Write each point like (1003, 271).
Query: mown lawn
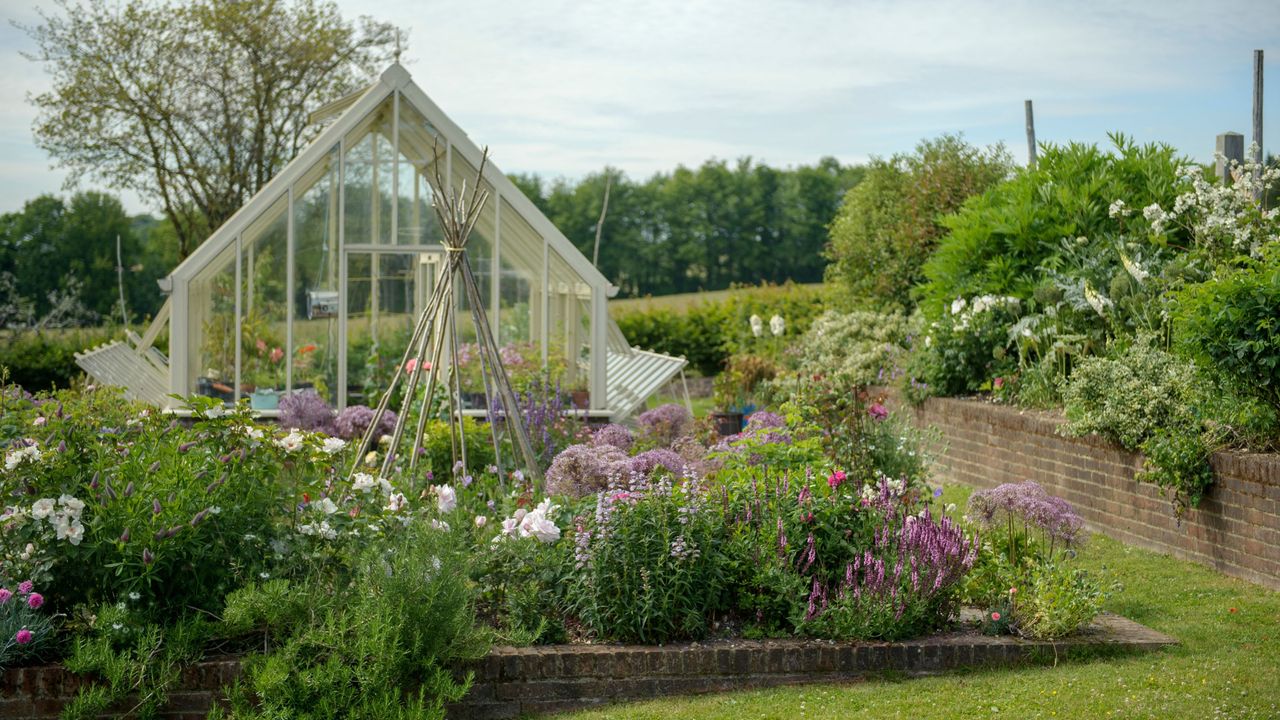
(1227, 666)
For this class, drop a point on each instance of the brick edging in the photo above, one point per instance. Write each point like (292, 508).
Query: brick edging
(536, 680)
(512, 681)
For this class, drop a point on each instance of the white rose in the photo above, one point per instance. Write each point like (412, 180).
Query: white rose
(73, 505)
(332, 445)
(42, 508)
(75, 533)
(536, 526)
(291, 442)
(363, 482)
(326, 506)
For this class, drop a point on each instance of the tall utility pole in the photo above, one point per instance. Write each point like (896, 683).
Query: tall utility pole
(1031, 137)
(1257, 123)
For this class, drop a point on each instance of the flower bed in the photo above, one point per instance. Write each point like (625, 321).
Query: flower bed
(150, 543)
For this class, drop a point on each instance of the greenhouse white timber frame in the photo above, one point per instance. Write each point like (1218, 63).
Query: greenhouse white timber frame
(316, 282)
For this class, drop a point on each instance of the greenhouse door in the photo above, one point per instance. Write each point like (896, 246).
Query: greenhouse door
(384, 293)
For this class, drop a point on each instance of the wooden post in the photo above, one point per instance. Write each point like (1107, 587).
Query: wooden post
(1230, 147)
(1257, 123)
(1031, 137)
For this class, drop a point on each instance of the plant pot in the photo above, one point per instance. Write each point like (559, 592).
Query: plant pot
(727, 423)
(581, 399)
(264, 400)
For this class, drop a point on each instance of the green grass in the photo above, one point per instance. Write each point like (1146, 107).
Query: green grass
(681, 303)
(1226, 667)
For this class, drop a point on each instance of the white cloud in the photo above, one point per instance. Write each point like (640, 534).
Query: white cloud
(563, 88)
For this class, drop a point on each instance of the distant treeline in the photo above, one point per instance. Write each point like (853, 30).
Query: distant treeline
(58, 263)
(704, 228)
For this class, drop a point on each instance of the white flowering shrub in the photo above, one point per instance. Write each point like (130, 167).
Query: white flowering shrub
(863, 347)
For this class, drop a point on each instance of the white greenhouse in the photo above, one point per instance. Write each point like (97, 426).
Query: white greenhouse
(317, 280)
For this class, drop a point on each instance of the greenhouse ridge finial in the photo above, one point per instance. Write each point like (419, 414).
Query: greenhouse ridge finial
(397, 55)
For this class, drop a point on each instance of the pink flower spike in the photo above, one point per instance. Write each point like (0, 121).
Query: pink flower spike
(5, 594)
(25, 587)
(35, 601)
(22, 637)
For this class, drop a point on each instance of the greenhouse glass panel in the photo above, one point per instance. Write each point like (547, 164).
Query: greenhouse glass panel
(315, 277)
(367, 171)
(384, 296)
(417, 222)
(264, 303)
(211, 323)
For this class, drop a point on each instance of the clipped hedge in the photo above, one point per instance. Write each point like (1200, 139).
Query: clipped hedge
(708, 333)
(44, 360)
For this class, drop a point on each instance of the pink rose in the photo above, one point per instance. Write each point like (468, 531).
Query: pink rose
(995, 616)
(836, 479)
(262, 345)
(276, 355)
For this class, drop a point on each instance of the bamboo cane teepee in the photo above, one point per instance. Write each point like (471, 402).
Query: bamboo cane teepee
(435, 334)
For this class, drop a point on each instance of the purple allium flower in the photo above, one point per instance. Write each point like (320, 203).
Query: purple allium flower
(665, 423)
(352, 423)
(306, 410)
(616, 435)
(581, 470)
(1028, 501)
(647, 462)
(764, 419)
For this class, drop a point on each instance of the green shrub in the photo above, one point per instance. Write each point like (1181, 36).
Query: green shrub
(1055, 601)
(707, 334)
(889, 223)
(386, 645)
(1148, 400)
(997, 241)
(39, 361)
(863, 347)
(964, 350)
(651, 565)
(1232, 322)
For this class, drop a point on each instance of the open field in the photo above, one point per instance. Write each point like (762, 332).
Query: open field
(1225, 668)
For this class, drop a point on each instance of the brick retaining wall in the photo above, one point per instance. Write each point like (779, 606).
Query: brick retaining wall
(1235, 530)
(514, 681)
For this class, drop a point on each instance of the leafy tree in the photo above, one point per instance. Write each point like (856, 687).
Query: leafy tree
(890, 223)
(59, 261)
(194, 105)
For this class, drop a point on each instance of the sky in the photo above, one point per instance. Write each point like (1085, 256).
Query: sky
(562, 88)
